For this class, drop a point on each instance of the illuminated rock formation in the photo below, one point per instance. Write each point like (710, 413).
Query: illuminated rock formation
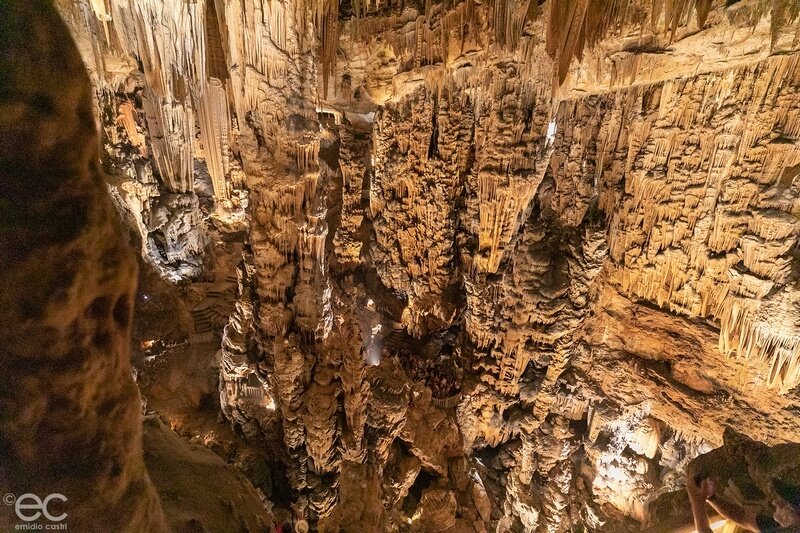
(586, 209)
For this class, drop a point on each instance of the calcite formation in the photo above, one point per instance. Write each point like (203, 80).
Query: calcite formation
(588, 208)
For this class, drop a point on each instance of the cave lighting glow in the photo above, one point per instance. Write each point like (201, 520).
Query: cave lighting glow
(551, 131)
(716, 526)
(374, 351)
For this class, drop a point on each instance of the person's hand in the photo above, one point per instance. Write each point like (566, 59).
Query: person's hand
(700, 489)
(707, 489)
(785, 514)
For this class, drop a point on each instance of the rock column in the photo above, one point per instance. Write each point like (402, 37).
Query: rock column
(69, 409)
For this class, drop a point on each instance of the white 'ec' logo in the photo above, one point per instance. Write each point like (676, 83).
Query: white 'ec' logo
(31, 502)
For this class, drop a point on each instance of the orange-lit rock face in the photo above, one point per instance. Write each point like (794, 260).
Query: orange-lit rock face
(507, 265)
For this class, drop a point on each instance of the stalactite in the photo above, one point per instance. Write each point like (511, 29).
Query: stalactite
(501, 213)
(501, 16)
(327, 20)
(171, 127)
(126, 117)
(102, 10)
(172, 56)
(764, 332)
(214, 124)
(170, 41)
(564, 32)
(575, 25)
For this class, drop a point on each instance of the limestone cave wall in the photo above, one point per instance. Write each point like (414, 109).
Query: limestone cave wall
(586, 209)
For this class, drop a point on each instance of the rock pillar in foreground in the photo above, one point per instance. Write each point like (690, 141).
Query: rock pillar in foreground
(69, 410)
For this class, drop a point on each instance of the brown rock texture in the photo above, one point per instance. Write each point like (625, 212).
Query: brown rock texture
(198, 490)
(70, 411)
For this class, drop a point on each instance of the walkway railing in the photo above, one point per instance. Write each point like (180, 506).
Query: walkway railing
(252, 392)
(447, 403)
(200, 338)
